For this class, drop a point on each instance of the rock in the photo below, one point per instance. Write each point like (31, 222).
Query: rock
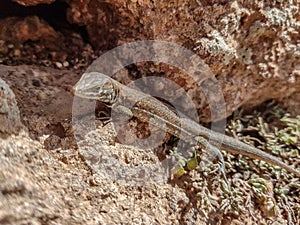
(9, 111)
(33, 2)
(20, 30)
(251, 47)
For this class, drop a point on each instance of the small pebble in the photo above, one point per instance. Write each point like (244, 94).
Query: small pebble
(66, 64)
(17, 52)
(58, 65)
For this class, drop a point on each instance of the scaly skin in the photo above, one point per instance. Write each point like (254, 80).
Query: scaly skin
(149, 109)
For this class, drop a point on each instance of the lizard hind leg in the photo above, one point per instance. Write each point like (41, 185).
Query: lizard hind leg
(211, 154)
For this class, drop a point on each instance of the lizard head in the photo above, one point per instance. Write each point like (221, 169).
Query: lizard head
(96, 86)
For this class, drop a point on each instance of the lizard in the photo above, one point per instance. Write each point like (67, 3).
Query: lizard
(97, 86)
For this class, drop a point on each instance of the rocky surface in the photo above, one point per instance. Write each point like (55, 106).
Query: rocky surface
(49, 177)
(9, 111)
(251, 46)
(30, 28)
